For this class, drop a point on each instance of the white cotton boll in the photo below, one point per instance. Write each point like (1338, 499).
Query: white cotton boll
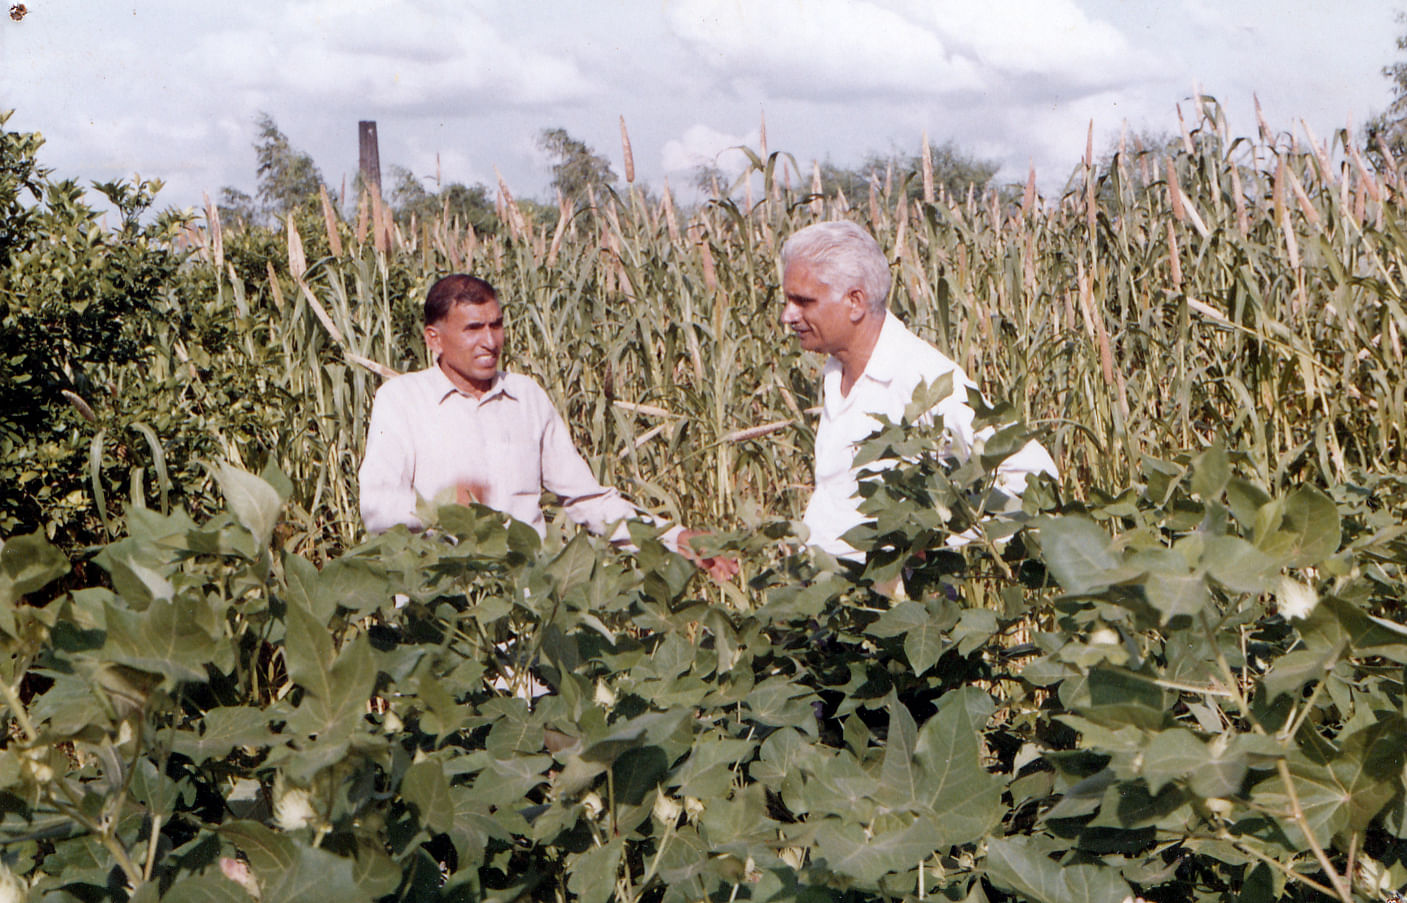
(12, 886)
(1295, 599)
(1103, 636)
(666, 809)
(293, 806)
(604, 696)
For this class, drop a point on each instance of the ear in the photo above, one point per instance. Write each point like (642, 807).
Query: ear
(432, 338)
(857, 305)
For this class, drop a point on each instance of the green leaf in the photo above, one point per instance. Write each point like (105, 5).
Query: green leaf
(1018, 865)
(353, 584)
(954, 786)
(845, 847)
(593, 873)
(288, 869)
(574, 564)
(1079, 554)
(254, 503)
(1345, 793)
(1115, 697)
(165, 639)
(205, 889)
(1245, 499)
(1300, 529)
(225, 728)
(1176, 754)
(153, 789)
(1176, 594)
(921, 628)
(777, 702)
(1210, 472)
(27, 563)
(308, 652)
(1237, 565)
(901, 781)
(424, 787)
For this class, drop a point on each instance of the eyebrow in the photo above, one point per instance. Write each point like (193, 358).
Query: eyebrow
(480, 324)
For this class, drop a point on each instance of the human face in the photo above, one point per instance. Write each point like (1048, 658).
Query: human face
(468, 342)
(823, 317)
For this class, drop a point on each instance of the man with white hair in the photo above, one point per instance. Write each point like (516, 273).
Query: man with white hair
(835, 285)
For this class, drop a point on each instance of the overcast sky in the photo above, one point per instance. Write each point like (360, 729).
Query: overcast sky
(170, 89)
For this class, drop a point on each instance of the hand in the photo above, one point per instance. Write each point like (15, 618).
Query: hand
(473, 492)
(721, 568)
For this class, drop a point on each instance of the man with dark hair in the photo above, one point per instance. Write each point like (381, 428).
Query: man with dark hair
(465, 429)
(835, 286)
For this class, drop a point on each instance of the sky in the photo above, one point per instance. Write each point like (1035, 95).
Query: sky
(171, 89)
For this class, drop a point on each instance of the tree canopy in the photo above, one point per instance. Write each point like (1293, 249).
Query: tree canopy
(1390, 126)
(288, 179)
(577, 167)
(470, 204)
(954, 170)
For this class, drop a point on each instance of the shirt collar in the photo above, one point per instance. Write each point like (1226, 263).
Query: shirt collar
(884, 356)
(444, 388)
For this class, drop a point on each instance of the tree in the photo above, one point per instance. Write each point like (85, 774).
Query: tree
(1390, 126)
(79, 305)
(954, 171)
(288, 179)
(20, 174)
(577, 167)
(470, 205)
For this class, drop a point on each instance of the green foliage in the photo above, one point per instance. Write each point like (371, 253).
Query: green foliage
(79, 309)
(576, 168)
(955, 173)
(288, 180)
(468, 206)
(1389, 128)
(20, 175)
(1176, 675)
(371, 726)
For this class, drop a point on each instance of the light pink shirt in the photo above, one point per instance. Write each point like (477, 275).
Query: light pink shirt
(899, 361)
(426, 438)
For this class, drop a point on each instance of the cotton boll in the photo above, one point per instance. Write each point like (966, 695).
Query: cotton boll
(293, 806)
(12, 886)
(1295, 599)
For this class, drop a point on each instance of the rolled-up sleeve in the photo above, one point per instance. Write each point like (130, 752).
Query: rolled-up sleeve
(566, 474)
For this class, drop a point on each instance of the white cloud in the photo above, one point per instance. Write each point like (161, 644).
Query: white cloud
(1052, 39)
(394, 56)
(701, 145)
(821, 48)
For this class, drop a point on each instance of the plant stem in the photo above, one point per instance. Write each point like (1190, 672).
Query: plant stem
(12, 699)
(1297, 812)
(151, 847)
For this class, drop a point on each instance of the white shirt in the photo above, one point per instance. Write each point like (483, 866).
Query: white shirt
(426, 438)
(899, 362)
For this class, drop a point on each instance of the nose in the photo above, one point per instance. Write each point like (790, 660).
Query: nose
(789, 313)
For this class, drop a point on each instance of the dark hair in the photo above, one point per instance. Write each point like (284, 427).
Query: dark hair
(455, 289)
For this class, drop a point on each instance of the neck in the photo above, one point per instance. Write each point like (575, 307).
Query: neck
(474, 388)
(855, 356)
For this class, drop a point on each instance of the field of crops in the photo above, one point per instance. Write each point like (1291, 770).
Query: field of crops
(1181, 678)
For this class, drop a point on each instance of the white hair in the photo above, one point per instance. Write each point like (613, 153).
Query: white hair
(846, 256)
